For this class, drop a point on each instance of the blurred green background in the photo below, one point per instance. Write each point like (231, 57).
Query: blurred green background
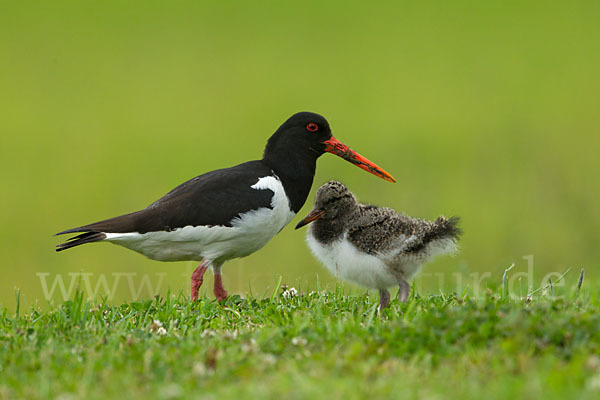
(487, 110)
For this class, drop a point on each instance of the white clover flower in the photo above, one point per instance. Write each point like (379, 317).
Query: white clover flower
(299, 341)
(593, 362)
(156, 327)
(199, 369)
(208, 332)
(270, 359)
(289, 293)
(231, 334)
(593, 383)
(250, 346)
(171, 391)
(161, 331)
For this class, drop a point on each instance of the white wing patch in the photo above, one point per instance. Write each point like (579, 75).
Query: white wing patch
(248, 233)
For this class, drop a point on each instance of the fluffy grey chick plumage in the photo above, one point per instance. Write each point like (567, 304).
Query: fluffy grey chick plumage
(374, 246)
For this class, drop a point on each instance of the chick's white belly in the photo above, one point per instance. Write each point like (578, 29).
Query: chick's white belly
(348, 263)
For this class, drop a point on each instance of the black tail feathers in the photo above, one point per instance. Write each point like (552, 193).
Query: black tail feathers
(446, 228)
(87, 237)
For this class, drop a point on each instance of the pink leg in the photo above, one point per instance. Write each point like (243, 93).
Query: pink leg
(198, 278)
(219, 290)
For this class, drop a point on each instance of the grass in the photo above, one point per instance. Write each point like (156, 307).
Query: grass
(319, 344)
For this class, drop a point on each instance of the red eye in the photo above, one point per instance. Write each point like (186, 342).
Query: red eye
(312, 127)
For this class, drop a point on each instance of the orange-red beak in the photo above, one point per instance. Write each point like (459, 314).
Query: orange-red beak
(338, 148)
(312, 216)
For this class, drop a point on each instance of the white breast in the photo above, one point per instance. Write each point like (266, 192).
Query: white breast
(248, 233)
(348, 263)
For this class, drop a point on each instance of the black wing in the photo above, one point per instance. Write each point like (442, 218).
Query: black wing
(375, 229)
(214, 198)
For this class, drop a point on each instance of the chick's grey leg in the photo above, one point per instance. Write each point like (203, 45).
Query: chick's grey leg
(384, 299)
(404, 290)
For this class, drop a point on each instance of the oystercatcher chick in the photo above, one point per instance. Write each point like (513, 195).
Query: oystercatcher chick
(228, 213)
(374, 246)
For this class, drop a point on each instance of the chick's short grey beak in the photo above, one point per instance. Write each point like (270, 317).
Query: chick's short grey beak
(312, 216)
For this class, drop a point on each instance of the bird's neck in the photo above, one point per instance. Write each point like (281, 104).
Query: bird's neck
(296, 169)
(326, 231)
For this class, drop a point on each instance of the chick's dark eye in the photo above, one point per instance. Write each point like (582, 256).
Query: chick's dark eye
(312, 127)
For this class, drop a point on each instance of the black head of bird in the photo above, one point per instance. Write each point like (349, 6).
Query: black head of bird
(309, 134)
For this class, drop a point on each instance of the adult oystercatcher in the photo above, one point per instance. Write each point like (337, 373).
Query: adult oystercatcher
(228, 213)
(374, 246)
